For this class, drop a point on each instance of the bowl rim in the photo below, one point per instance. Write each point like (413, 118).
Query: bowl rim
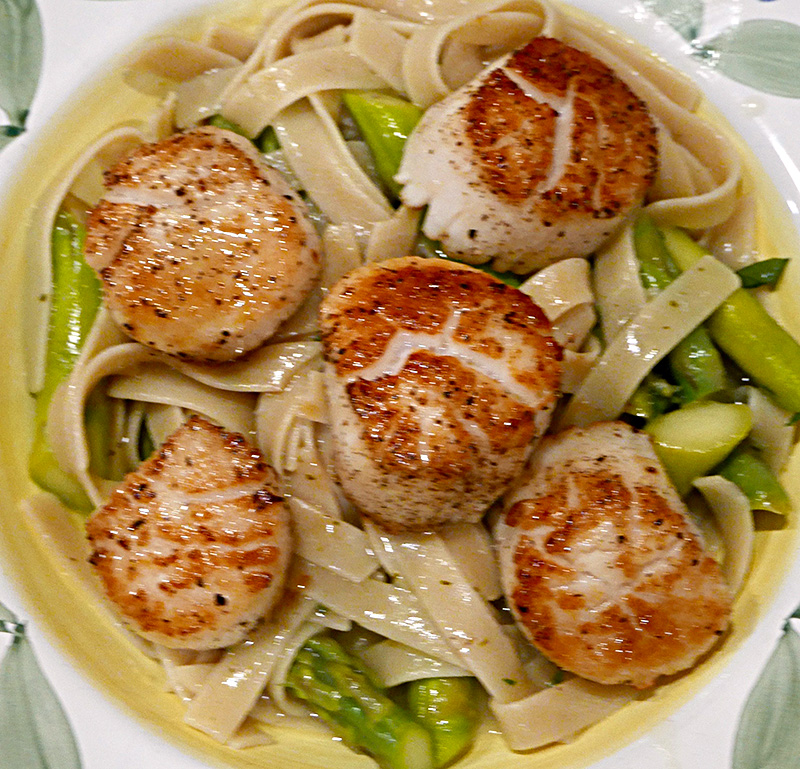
(28, 153)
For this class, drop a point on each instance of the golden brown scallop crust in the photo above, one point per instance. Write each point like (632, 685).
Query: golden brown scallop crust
(613, 155)
(512, 137)
(193, 546)
(203, 250)
(602, 566)
(539, 158)
(444, 376)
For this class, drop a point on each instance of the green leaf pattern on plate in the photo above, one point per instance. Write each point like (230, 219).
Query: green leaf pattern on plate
(768, 737)
(34, 731)
(761, 53)
(20, 62)
(685, 16)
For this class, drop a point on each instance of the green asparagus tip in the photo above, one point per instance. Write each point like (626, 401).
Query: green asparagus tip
(764, 273)
(345, 695)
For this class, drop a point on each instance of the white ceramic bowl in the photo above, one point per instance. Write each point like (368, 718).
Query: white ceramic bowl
(113, 696)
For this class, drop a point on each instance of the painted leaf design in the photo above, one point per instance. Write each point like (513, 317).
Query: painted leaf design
(684, 16)
(8, 133)
(768, 737)
(761, 53)
(34, 731)
(20, 62)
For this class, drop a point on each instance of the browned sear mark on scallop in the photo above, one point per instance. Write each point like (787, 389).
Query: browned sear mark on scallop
(439, 378)
(203, 249)
(512, 136)
(192, 547)
(601, 563)
(539, 158)
(463, 400)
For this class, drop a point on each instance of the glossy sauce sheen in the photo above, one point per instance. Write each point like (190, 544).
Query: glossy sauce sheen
(193, 546)
(203, 249)
(601, 563)
(537, 159)
(439, 378)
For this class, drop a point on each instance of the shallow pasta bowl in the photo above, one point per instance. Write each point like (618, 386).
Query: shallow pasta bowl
(689, 719)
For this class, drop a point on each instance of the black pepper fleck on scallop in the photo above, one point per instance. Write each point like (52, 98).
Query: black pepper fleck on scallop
(189, 241)
(601, 563)
(207, 543)
(548, 137)
(436, 400)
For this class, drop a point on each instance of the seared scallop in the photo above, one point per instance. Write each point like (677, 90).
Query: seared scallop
(539, 158)
(601, 563)
(192, 548)
(439, 378)
(203, 249)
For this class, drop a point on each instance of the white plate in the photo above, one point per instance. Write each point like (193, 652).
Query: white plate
(80, 35)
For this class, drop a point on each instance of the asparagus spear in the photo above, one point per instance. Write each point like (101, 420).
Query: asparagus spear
(652, 398)
(693, 439)
(447, 708)
(695, 362)
(385, 121)
(218, 121)
(656, 267)
(764, 273)
(761, 347)
(746, 332)
(99, 425)
(146, 445)
(697, 366)
(266, 141)
(75, 301)
(340, 690)
(683, 250)
(755, 478)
